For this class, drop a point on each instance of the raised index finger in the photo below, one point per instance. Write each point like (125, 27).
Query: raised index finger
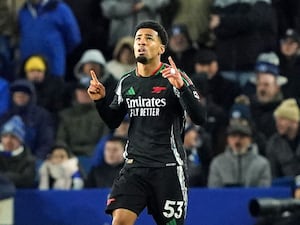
(94, 76)
(172, 63)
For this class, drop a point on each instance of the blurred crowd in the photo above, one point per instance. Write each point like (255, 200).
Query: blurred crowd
(242, 55)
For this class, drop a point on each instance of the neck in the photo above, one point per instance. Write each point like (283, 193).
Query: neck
(147, 70)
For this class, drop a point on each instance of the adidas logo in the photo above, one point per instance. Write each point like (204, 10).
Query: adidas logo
(130, 91)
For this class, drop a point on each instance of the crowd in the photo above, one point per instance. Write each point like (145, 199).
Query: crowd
(243, 57)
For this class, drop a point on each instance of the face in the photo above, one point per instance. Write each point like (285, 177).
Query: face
(147, 46)
(285, 126)
(20, 98)
(127, 56)
(113, 152)
(238, 142)
(10, 142)
(266, 87)
(58, 156)
(178, 43)
(289, 47)
(87, 67)
(35, 75)
(210, 69)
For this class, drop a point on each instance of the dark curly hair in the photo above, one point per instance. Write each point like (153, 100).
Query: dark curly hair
(162, 33)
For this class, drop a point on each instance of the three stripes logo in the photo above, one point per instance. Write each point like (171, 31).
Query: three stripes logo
(130, 91)
(172, 222)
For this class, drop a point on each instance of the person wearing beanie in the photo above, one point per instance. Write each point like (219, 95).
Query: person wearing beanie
(39, 123)
(240, 164)
(283, 147)
(16, 161)
(50, 90)
(267, 93)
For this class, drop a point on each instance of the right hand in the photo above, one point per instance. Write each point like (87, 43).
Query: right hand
(96, 89)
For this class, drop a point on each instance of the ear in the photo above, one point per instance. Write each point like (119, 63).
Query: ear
(162, 50)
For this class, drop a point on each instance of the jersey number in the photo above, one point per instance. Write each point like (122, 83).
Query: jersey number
(173, 208)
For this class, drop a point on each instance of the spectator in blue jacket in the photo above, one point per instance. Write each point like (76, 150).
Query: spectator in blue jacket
(49, 28)
(39, 125)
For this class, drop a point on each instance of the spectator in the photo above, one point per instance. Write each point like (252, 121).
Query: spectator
(240, 165)
(124, 15)
(123, 58)
(283, 147)
(195, 15)
(16, 161)
(243, 29)
(268, 95)
(50, 90)
(207, 75)
(240, 112)
(181, 48)
(53, 37)
(197, 144)
(104, 174)
(120, 131)
(38, 122)
(79, 126)
(93, 59)
(60, 171)
(289, 58)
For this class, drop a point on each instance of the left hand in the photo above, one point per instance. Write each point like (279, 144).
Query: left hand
(174, 78)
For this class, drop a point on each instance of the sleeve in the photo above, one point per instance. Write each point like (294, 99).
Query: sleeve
(113, 112)
(191, 101)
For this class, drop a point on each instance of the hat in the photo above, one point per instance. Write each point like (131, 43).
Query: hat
(22, 85)
(288, 109)
(239, 128)
(269, 63)
(14, 126)
(292, 34)
(240, 109)
(205, 56)
(89, 56)
(35, 63)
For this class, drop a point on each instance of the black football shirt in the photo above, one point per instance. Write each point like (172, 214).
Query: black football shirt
(157, 115)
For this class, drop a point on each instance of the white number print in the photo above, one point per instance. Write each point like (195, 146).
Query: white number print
(173, 208)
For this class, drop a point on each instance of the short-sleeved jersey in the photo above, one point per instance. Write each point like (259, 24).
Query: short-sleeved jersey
(157, 115)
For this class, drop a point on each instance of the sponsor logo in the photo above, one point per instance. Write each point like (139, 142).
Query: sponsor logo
(157, 90)
(130, 91)
(110, 200)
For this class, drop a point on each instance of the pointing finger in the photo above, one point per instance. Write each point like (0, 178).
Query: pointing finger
(172, 63)
(94, 76)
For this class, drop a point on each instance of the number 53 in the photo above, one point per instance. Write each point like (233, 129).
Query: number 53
(173, 208)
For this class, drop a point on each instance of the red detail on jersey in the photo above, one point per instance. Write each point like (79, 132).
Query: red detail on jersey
(158, 89)
(109, 201)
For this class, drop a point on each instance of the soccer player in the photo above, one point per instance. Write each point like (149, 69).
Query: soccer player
(157, 97)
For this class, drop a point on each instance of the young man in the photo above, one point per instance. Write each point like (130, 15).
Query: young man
(155, 96)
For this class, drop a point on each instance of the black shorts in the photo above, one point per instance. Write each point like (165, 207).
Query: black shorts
(162, 190)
